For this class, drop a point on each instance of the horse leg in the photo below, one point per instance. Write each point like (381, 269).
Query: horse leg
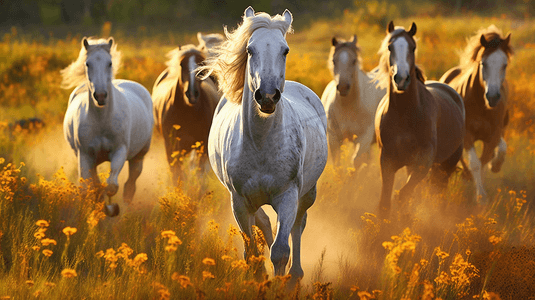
(475, 168)
(418, 173)
(499, 157)
(263, 223)
(334, 147)
(364, 145)
(297, 230)
(286, 207)
(388, 172)
(135, 166)
(441, 173)
(117, 159)
(245, 220)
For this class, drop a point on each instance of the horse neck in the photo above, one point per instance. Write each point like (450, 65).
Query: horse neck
(476, 87)
(257, 128)
(103, 113)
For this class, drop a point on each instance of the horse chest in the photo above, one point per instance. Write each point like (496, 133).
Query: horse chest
(262, 177)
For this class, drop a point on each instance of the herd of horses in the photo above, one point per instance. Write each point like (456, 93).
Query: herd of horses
(268, 138)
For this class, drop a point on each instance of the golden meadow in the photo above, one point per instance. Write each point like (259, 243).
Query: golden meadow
(181, 242)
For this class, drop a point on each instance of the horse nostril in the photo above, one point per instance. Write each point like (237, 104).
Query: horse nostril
(95, 95)
(257, 95)
(277, 95)
(397, 78)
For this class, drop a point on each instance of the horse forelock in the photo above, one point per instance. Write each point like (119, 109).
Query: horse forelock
(74, 74)
(383, 69)
(343, 46)
(177, 55)
(475, 52)
(230, 60)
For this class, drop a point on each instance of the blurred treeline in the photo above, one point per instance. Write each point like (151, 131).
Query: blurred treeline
(183, 13)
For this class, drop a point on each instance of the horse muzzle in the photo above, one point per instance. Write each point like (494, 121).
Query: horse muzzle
(100, 98)
(493, 99)
(343, 89)
(267, 102)
(402, 82)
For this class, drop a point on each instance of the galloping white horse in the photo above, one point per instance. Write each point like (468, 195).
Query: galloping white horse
(268, 142)
(350, 101)
(107, 119)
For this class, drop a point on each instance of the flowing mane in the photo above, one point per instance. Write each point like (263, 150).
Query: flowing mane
(178, 54)
(230, 59)
(343, 44)
(74, 74)
(474, 51)
(383, 73)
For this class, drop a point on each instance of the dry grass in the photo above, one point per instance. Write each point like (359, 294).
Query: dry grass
(181, 240)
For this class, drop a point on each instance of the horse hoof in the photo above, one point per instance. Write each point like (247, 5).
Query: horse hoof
(111, 210)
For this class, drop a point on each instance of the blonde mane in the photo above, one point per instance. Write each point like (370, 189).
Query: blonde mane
(230, 59)
(74, 74)
(383, 71)
(342, 44)
(474, 51)
(176, 55)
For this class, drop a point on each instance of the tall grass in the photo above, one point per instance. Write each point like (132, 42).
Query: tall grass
(180, 240)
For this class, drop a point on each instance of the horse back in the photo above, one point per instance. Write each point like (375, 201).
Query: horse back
(451, 118)
(450, 75)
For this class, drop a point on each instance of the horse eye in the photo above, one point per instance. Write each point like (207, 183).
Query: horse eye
(286, 51)
(249, 51)
(390, 47)
(354, 61)
(87, 64)
(109, 65)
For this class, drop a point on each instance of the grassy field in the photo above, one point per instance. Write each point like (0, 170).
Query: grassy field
(181, 242)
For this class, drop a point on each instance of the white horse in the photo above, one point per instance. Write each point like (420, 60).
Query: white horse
(350, 101)
(107, 119)
(208, 42)
(267, 142)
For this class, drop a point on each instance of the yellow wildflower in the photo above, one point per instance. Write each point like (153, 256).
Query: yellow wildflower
(68, 231)
(208, 261)
(100, 254)
(47, 252)
(68, 273)
(30, 282)
(207, 275)
(240, 264)
(50, 284)
(170, 248)
(39, 235)
(47, 242)
(42, 223)
(226, 257)
(168, 233)
(495, 240)
(174, 240)
(36, 248)
(184, 281)
(140, 258)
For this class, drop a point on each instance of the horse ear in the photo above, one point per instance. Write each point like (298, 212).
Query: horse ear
(249, 12)
(110, 41)
(353, 39)
(334, 41)
(507, 39)
(199, 37)
(390, 27)
(412, 31)
(483, 41)
(85, 43)
(287, 16)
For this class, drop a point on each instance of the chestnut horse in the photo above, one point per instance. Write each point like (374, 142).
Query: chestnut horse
(184, 104)
(418, 124)
(480, 80)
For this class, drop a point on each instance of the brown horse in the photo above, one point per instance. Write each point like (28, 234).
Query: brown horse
(184, 104)
(418, 124)
(480, 80)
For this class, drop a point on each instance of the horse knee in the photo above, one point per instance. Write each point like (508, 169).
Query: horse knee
(280, 254)
(111, 189)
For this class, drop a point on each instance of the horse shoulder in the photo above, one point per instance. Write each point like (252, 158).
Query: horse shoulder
(297, 90)
(136, 90)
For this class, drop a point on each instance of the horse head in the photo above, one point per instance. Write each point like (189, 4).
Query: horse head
(343, 63)
(98, 66)
(402, 47)
(493, 66)
(266, 63)
(191, 83)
